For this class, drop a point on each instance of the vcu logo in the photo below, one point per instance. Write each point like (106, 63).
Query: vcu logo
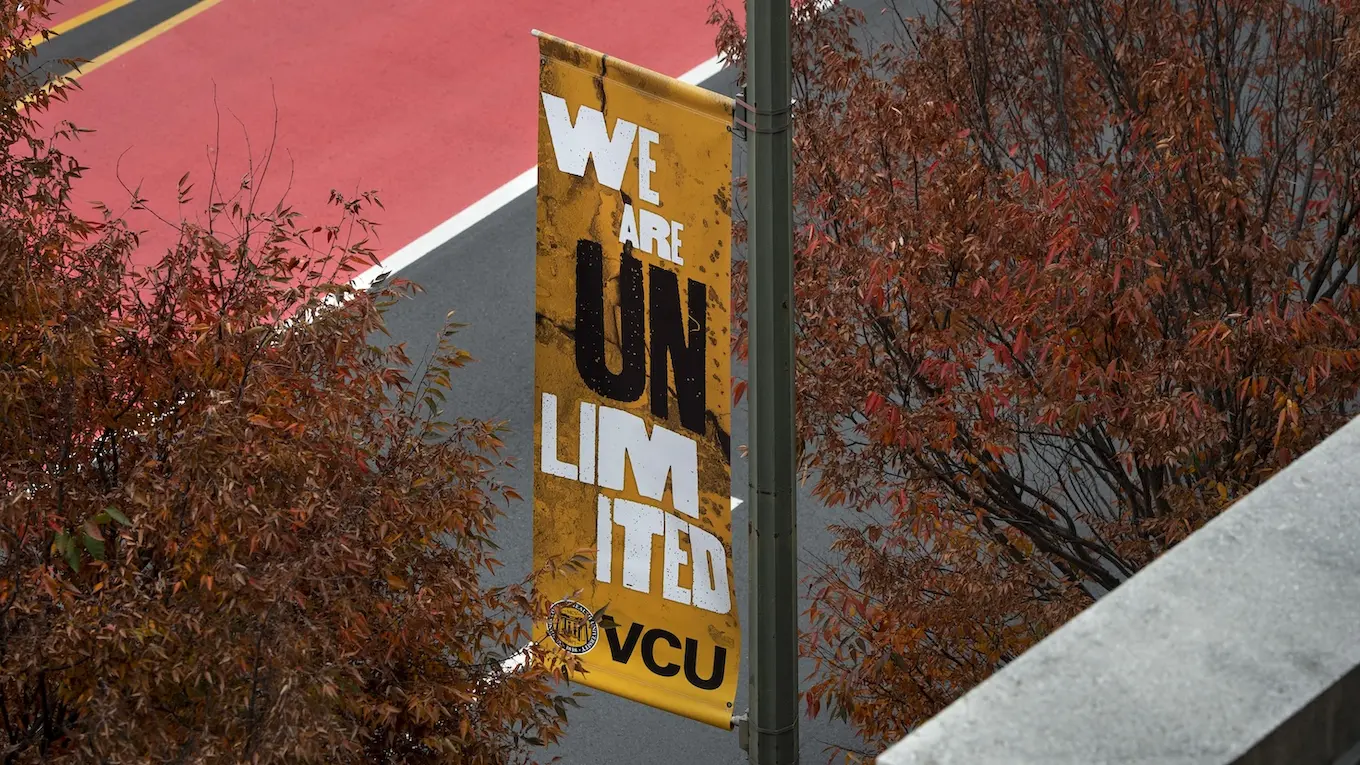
(572, 626)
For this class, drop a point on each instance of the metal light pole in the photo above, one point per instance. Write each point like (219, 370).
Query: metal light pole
(773, 717)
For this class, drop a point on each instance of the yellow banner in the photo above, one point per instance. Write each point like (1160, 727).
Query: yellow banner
(632, 365)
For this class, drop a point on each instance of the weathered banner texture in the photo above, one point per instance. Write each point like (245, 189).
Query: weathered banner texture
(632, 369)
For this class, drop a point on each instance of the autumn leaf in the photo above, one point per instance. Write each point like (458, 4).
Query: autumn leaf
(95, 547)
(872, 402)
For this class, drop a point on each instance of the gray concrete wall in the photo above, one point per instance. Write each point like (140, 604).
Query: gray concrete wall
(1240, 646)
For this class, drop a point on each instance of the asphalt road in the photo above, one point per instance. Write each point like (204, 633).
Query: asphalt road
(486, 275)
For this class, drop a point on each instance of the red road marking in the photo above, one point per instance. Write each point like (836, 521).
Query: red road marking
(430, 102)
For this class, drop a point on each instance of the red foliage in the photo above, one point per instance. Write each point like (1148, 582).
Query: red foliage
(1076, 275)
(232, 527)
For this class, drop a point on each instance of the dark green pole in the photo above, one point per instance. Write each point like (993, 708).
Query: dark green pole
(773, 717)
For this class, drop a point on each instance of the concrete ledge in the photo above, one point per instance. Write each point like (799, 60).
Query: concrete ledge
(1240, 646)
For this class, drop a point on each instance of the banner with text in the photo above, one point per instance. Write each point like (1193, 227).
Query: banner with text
(632, 365)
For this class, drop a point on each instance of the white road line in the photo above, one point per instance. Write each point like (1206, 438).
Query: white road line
(450, 228)
(488, 204)
(516, 660)
(703, 71)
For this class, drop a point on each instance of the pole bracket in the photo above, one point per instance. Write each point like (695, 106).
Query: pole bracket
(743, 111)
(777, 731)
(740, 112)
(742, 723)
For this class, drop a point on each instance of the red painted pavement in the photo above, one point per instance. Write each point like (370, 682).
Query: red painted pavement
(431, 102)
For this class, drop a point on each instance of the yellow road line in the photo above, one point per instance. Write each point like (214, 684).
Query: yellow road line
(75, 21)
(132, 44)
(143, 38)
